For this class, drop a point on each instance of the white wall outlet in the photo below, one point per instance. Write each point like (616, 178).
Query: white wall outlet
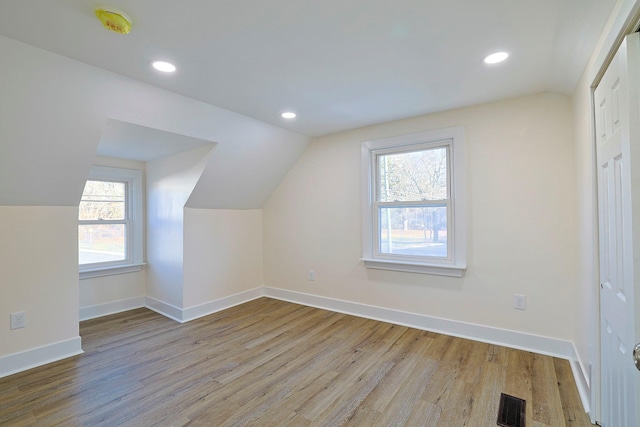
(520, 302)
(312, 275)
(18, 320)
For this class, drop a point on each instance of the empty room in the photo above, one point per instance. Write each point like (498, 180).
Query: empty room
(320, 213)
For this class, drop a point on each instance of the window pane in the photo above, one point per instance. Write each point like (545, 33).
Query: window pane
(414, 231)
(101, 243)
(103, 200)
(413, 176)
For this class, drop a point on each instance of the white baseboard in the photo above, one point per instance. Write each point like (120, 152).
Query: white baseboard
(582, 378)
(201, 310)
(99, 310)
(18, 362)
(513, 339)
(518, 340)
(32, 358)
(211, 307)
(164, 308)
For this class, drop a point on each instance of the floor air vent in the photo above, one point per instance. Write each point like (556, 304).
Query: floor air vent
(511, 412)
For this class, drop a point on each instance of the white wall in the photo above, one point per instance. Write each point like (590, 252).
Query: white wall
(170, 181)
(196, 256)
(587, 295)
(222, 253)
(53, 111)
(38, 275)
(109, 289)
(100, 291)
(521, 230)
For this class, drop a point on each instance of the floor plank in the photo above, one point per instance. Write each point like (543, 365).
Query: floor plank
(274, 363)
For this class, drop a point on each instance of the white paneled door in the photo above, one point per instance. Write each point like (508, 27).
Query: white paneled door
(617, 118)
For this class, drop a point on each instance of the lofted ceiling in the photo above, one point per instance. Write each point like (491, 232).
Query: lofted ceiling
(141, 143)
(339, 64)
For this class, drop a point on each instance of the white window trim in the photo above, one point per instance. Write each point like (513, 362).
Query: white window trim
(134, 261)
(456, 264)
(90, 273)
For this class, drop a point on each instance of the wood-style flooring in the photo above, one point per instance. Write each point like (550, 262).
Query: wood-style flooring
(274, 363)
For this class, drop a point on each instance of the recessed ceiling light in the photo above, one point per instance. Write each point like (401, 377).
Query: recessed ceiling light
(288, 115)
(165, 67)
(494, 58)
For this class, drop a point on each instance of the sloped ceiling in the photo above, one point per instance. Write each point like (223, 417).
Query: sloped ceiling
(339, 64)
(55, 112)
(141, 143)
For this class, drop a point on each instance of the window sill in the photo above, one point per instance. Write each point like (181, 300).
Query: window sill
(414, 267)
(110, 271)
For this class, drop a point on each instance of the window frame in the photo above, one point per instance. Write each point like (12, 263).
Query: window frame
(133, 223)
(455, 263)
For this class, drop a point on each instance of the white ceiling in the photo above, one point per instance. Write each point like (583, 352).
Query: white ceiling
(339, 64)
(141, 143)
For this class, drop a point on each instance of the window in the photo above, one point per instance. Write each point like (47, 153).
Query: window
(414, 203)
(110, 222)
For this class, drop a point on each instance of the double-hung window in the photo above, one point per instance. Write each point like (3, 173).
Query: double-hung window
(414, 203)
(110, 222)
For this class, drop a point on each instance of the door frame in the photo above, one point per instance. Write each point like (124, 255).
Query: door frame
(626, 21)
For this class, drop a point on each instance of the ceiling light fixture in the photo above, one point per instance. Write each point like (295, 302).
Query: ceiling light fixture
(496, 57)
(114, 20)
(165, 67)
(288, 115)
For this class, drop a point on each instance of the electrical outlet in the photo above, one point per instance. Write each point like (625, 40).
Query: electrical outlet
(312, 275)
(520, 302)
(18, 320)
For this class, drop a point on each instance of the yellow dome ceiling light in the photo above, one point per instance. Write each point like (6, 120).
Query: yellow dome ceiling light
(114, 20)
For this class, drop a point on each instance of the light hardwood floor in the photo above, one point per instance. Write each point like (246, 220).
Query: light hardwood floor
(273, 363)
